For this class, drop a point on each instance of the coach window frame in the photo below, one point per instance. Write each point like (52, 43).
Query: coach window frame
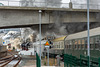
(71, 44)
(62, 44)
(91, 43)
(99, 42)
(96, 42)
(67, 45)
(59, 44)
(79, 43)
(83, 44)
(75, 44)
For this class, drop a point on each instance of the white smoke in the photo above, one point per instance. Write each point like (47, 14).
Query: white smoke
(63, 30)
(25, 32)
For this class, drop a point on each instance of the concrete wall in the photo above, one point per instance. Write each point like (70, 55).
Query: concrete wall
(11, 17)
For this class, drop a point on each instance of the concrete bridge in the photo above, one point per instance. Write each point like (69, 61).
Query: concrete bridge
(28, 16)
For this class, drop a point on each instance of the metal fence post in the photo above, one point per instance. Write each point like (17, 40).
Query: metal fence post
(80, 61)
(88, 61)
(48, 56)
(71, 60)
(37, 61)
(99, 61)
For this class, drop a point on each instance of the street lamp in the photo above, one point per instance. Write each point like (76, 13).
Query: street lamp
(40, 32)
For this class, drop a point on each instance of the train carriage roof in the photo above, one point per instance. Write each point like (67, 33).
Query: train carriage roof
(93, 32)
(59, 39)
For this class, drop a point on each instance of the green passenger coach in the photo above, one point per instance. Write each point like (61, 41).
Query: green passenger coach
(76, 44)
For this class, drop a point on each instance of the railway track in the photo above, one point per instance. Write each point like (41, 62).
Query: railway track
(8, 59)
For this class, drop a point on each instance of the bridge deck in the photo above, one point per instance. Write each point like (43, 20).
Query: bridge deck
(47, 9)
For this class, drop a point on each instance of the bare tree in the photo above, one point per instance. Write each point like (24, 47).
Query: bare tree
(56, 3)
(40, 3)
(27, 2)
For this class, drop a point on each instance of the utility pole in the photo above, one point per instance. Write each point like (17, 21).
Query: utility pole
(48, 55)
(88, 27)
(40, 32)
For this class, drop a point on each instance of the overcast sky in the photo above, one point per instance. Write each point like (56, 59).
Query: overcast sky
(65, 1)
(12, 2)
(17, 3)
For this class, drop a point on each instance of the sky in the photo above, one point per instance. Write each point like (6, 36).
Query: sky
(76, 3)
(65, 1)
(15, 2)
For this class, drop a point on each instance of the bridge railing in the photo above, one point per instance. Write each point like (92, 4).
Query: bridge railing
(46, 5)
(83, 61)
(84, 6)
(33, 4)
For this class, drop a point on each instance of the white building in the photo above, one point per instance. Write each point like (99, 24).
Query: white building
(11, 34)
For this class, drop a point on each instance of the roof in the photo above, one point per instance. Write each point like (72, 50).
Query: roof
(59, 39)
(93, 32)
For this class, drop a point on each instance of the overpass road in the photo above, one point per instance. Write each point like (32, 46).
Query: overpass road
(28, 16)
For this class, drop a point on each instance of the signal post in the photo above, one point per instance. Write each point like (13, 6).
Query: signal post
(47, 46)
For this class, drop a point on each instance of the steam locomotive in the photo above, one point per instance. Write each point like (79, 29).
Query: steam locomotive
(25, 45)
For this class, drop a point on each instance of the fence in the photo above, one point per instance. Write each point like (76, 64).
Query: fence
(37, 61)
(34, 3)
(45, 4)
(83, 61)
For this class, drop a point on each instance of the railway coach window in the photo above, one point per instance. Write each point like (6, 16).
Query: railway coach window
(85, 43)
(75, 44)
(67, 42)
(91, 43)
(70, 45)
(56, 46)
(59, 46)
(67, 46)
(79, 44)
(62, 45)
(97, 42)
